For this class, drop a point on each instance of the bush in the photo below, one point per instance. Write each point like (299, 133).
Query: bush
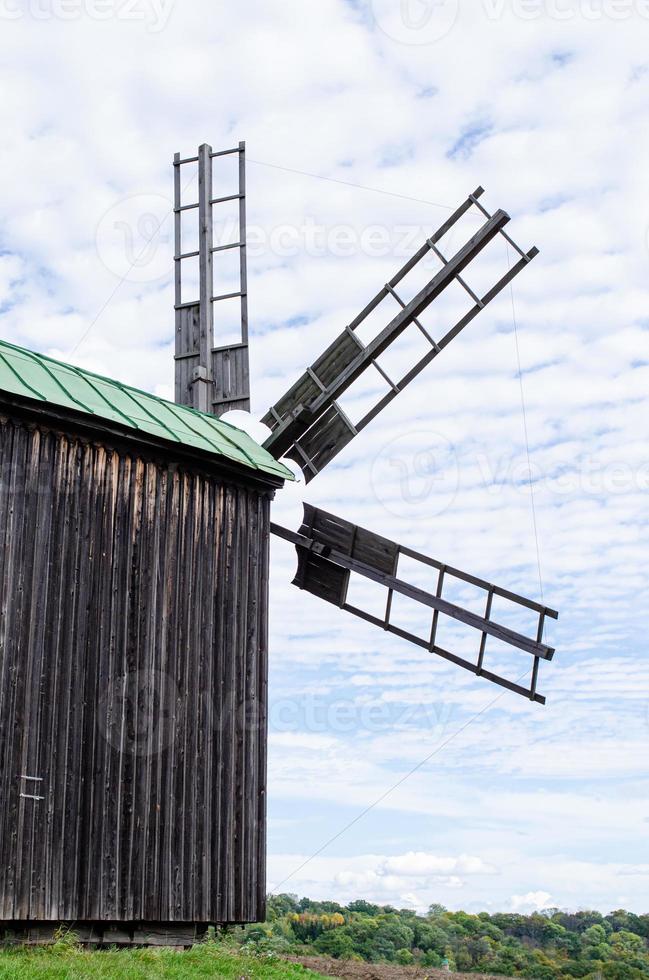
(404, 957)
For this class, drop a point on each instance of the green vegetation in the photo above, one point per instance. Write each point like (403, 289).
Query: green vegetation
(544, 946)
(549, 945)
(66, 961)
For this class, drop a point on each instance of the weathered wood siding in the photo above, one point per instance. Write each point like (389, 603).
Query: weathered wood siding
(133, 667)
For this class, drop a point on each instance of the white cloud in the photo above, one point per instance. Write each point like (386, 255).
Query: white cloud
(531, 902)
(422, 865)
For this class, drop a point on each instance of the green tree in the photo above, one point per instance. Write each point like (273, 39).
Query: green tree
(436, 909)
(430, 937)
(622, 971)
(336, 943)
(365, 907)
(625, 944)
(594, 936)
(404, 957)
(431, 958)
(279, 905)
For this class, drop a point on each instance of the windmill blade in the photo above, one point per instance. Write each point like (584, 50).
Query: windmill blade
(214, 379)
(331, 549)
(308, 424)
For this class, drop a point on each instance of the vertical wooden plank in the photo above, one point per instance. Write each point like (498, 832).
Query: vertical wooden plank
(169, 633)
(130, 775)
(27, 705)
(259, 910)
(61, 491)
(241, 700)
(9, 673)
(117, 788)
(40, 486)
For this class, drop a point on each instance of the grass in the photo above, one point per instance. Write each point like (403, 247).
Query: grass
(67, 961)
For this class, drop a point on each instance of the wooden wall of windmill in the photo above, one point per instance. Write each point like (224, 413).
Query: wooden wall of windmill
(133, 662)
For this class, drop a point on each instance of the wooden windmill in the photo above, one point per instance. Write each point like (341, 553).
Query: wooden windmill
(310, 426)
(134, 616)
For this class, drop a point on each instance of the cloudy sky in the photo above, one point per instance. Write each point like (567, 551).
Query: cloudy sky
(366, 122)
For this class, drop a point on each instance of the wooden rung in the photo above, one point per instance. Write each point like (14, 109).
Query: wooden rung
(524, 255)
(305, 458)
(515, 246)
(385, 376)
(216, 299)
(431, 340)
(476, 299)
(474, 200)
(357, 340)
(224, 248)
(226, 153)
(316, 379)
(228, 197)
(393, 293)
(388, 607)
(483, 641)
(414, 319)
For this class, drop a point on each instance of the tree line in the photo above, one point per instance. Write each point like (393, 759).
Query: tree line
(544, 945)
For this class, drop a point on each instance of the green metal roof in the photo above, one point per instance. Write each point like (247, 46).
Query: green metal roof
(55, 383)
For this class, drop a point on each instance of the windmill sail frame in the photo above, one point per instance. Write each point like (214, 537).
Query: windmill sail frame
(308, 423)
(330, 549)
(213, 379)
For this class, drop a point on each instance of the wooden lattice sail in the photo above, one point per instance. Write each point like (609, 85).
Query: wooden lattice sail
(211, 378)
(330, 550)
(309, 425)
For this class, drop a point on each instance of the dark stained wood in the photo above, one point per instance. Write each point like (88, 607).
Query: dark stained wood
(133, 662)
(187, 356)
(349, 539)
